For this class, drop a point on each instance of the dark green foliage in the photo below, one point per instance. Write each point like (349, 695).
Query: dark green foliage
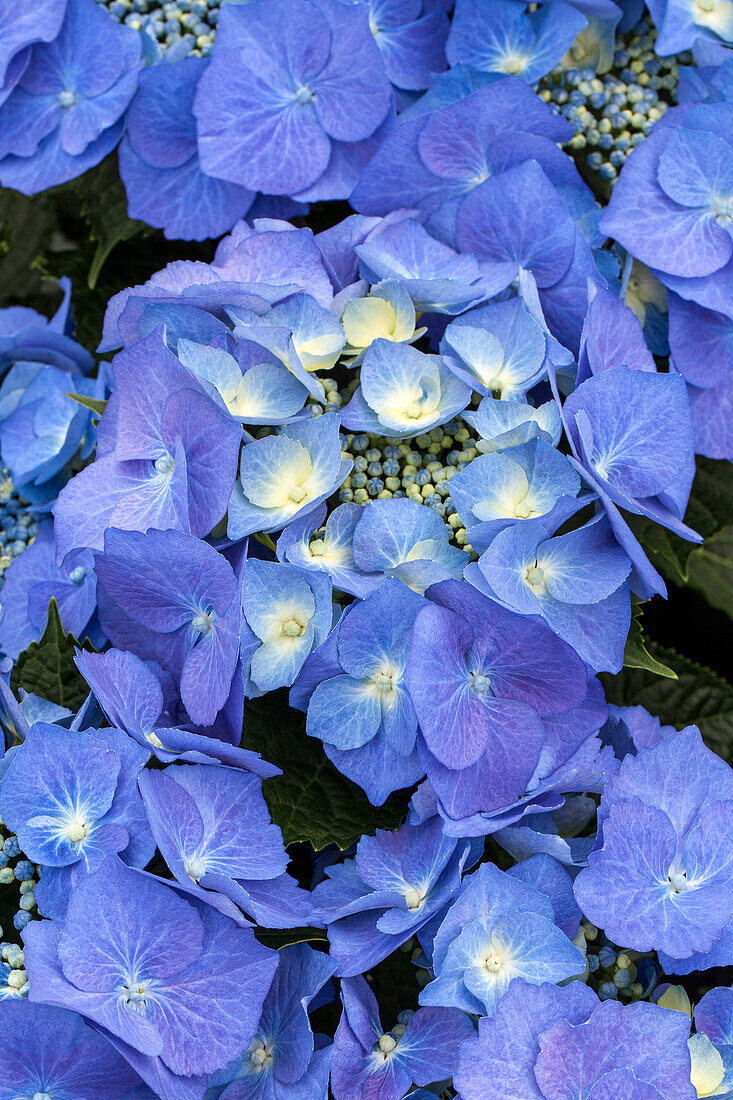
(311, 800)
(46, 668)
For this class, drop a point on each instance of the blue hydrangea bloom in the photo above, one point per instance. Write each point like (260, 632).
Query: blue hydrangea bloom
(506, 488)
(611, 335)
(681, 180)
(54, 1050)
(517, 219)
(484, 683)
(353, 690)
(310, 545)
(287, 613)
(21, 26)
(403, 392)
(173, 979)
(285, 82)
(497, 930)
(387, 312)
(252, 268)
(403, 539)
(172, 598)
(284, 1060)
(140, 698)
(576, 582)
(159, 161)
(438, 278)
(254, 388)
(285, 476)
(33, 579)
(661, 875)
(213, 829)
(683, 22)
(411, 38)
(631, 435)
(501, 36)
(42, 429)
(498, 349)
(395, 885)
(503, 424)
(71, 797)
(27, 336)
(433, 161)
(166, 455)
(367, 1061)
(546, 1043)
(66, 111)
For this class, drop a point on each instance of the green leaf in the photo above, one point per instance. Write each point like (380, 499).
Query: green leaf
(26, 226)
(707, 568)
(94, 403)
(103, 205)
(311, 801)
(46, 668)
(698, 697)
(636, 655)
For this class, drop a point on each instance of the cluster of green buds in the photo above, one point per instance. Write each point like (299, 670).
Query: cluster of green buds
(419, 469)
(18, 527)
(170, 21)
(612, 112)
(613, 972)
(18, 880)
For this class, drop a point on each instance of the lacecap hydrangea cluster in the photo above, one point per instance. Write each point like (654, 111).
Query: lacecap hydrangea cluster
(384, 470)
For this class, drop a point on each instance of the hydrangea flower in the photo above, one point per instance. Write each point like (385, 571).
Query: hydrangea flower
(368, 1061)
(506, 488)
(434, 160)
(172, 598)
(287, 613)
(213, 829)
(437, 277)
(283, 84)
(411, 39)
(661, 875)
(166, 455)
(284, 1060)
(175, 980)
(482, 680)
(329, 549)
(502, 37)
(159, 161)
(42, 429)
(22, 25)
(389, 892)
(33, 580)
(714, 1028)
(27, 336)
(517, 220)
(681, 181)
(387, 312)
(403, 392)
(504, 424)
(54, 1052)
(71, 798)
(576, 582)
(251, 391)
(701, 349)
(353, 690)
(400, 538)
(66, 111)
(285, 476)
(498, 930)
(546, 1043)
(682, 23)
(498, 349)
(138, 696)
(631, 435)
